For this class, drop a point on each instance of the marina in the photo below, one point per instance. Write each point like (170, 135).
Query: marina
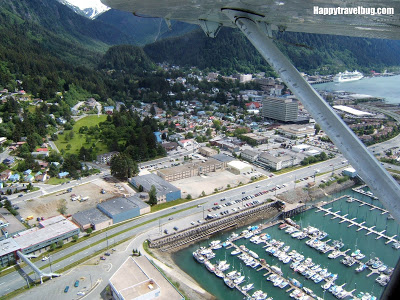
(318, 258)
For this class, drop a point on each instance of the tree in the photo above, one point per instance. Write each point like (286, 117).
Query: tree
(317, 128)
(89, 231)
(75, 237)
(140, 188)
(60, 243)
(153, 195)
(62, 207)
(122, 166)
(189, 197)
(53, 246)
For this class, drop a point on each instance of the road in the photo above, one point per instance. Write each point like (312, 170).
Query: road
(180, 219)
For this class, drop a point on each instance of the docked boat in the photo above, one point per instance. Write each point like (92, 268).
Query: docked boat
(347, 76)
(295, 282)
(235, 252)
(231, 274)
(248, 287)
(219, 273)
(277, 270)
(198, 257)
(361, 268)
(239, 280)
(229, 282)
(210, 267)
(252, 253)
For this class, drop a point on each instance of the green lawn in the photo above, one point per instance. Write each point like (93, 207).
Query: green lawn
(56, 180)
(79, 140)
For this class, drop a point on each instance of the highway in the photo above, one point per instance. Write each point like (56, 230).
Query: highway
(180, 219)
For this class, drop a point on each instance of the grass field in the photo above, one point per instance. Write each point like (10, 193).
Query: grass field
(79, 140)
(55, 180)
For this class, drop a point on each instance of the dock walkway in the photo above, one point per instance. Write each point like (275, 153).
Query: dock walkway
(360, 226)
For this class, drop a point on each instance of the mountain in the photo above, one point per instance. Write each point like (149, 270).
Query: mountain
(89, 8)
(231, 52)
(65, 23)
(144, 29)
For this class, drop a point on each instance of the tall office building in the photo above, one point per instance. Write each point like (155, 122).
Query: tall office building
(280, 109)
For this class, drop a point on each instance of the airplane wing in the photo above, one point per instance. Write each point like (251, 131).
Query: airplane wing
(340, 17)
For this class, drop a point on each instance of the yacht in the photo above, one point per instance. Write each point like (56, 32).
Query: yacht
(248, 287)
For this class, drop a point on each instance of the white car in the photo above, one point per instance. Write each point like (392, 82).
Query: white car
(45, 258)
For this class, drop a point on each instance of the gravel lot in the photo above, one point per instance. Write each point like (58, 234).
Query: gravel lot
(47, 205)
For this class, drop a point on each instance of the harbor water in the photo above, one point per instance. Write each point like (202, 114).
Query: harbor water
(381, 87)
(352, 239)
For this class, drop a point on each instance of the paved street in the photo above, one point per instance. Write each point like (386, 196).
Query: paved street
(181, 219)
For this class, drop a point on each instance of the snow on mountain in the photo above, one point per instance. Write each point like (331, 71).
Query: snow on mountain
(89, 8)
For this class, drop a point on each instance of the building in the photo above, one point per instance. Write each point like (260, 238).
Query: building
(256, 138)
(223, 158)
(106, 157)
(207, 151)
(9, 224)
(49, 231)
(239, 167)
(138, 279)
(185, 143)
(121, 209)
(351, 172)
(169, 146)
(191, 169)
(277, 162)
(8, 251)
(249, 155)
(166, 192)
(296, 131)
(91, 218)
(226, 145)
(281, 109)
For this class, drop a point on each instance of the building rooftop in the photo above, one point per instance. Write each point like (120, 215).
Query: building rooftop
(90, 216)
(238, 164)
(352, 111)
(275, 159)
(53, 228)
(8, 246)
(250, 152)
(117, 205)
(14, 225)
(162, 187)
(137, 277)
(222, 157)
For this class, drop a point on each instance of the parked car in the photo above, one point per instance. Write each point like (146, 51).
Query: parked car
(66, 289)
(102, 258)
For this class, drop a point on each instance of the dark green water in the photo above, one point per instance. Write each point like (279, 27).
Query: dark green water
(350, 237)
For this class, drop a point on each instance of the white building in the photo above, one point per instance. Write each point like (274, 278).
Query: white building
(277, 162)
(239, 167)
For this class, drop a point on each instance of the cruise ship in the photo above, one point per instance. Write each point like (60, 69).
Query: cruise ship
(347, 76)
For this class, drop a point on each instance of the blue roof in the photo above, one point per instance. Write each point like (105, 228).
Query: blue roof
(62, 174)
(27, 172)
(158, 136)
(14, 177)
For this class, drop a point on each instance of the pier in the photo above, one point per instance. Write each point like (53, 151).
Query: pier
(362, 192)
(360, 226)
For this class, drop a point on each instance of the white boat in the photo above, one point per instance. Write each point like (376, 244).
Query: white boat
(347, 76)
(239, 280)
(248, 287)
(210, 267)
(277, 270)
(235, 252)
(252, 253)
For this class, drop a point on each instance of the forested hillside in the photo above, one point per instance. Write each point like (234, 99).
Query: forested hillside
(144, 30)
(230, 52)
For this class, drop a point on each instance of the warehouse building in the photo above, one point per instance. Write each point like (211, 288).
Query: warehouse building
(166, 192)
(249, 155)
(121, 209)
(49, 231)
(207, 151)
(191, 169)
(91, 218)
(8, 252)
(139, 279)
(296, 131)
(239, 167)
(277, 162)
(351, 172)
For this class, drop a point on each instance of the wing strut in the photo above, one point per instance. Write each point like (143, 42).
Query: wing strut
(378, 179)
